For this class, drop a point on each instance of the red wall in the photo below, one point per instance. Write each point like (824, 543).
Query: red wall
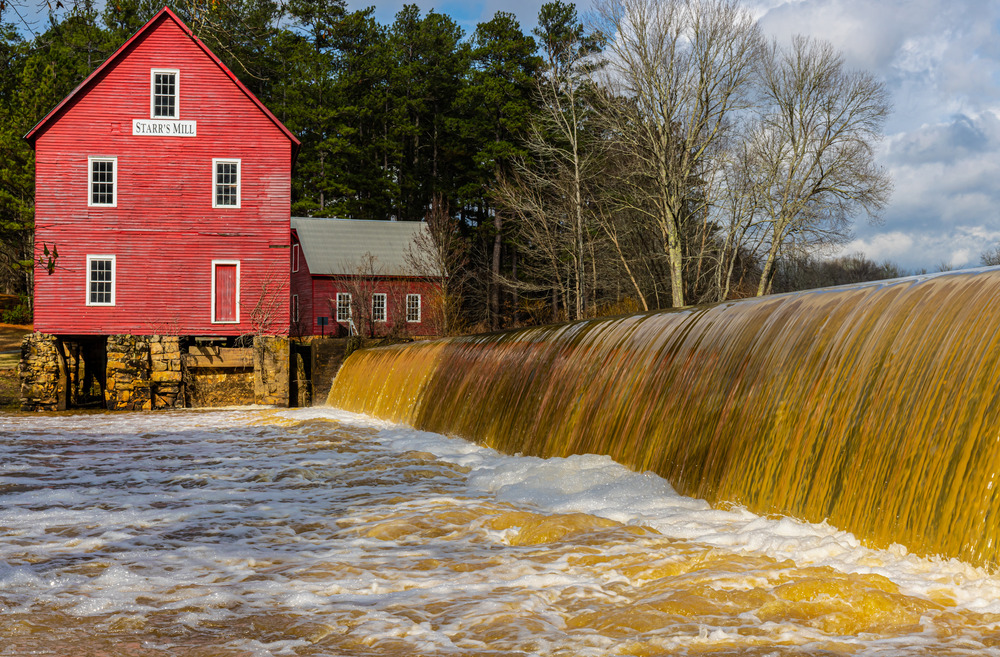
(164, 232)
(302, 286)
(324, 295)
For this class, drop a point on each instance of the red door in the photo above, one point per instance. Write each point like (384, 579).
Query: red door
(225, 293)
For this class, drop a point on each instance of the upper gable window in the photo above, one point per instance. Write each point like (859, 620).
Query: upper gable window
(163, 97)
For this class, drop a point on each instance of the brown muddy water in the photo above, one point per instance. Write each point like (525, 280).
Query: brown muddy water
(318, 532)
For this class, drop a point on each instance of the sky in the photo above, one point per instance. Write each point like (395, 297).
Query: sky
(940, 60)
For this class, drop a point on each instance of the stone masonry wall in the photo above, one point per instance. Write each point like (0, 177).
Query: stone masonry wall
(129, 372)
(167, 377)
(44, 379)
(271, 359)
(144, 372)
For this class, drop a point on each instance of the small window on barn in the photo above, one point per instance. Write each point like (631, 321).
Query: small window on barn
(295, 307)
(163, 95)
(413, 307)
(100, 280)
(226, 192)
(343, 307)
(295, 257)
(102, 181)
(378, 307)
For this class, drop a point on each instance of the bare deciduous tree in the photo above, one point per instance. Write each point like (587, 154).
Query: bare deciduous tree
(363, 277)
(439, 255)
(677, 74)
(813, 156)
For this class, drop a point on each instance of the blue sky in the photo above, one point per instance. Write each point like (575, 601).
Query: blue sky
(940, 60)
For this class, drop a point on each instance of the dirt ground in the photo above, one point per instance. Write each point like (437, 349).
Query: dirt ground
(11, 334)
(10, 387)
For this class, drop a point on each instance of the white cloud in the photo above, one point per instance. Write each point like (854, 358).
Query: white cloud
(940, 60)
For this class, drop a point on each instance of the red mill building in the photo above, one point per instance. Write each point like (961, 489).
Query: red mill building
(164, 185)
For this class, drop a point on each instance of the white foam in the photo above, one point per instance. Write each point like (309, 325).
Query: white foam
(215, 516)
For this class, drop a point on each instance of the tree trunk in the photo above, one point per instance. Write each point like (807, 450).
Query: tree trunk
(495, 289)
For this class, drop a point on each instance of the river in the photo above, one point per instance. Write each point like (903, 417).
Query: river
(318, 532)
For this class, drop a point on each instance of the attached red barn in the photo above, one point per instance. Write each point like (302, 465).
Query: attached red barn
(165, 187)
(361, 277)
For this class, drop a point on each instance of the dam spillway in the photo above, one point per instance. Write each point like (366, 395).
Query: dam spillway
(873, 407)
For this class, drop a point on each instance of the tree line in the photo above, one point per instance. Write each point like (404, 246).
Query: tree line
(659, 154)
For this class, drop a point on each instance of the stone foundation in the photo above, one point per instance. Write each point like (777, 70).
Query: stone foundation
(43, 373)
(271, 360)
(167, 377)
(128, 374)
(153, 372)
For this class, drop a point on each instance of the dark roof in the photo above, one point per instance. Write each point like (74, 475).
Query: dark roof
(336, 247)
(162, 15)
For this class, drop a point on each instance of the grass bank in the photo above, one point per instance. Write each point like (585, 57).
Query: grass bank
(10, 354)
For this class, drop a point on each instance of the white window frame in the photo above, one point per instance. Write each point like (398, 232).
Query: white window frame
(295, 258)
(347, 296)
(216, 263)
(90, 181)
(177, 93)
(114, 279)
(385, 307)
(295, 307)
(419, 309)
(216, 161)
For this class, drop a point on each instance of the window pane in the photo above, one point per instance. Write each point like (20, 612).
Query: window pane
(102, 182)
(100, 283)
(227, 183)
(413, 307)
(343, 307)
(165, 95)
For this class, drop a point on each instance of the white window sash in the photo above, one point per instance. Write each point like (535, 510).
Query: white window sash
(346, 299)
(295, 258)
(112, 283)
(215, 185)
(416, 299)
(152, 92)
(114, 181)
(379, 310)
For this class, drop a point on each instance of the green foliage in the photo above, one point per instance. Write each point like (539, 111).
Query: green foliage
(397, 121)
(19, 314)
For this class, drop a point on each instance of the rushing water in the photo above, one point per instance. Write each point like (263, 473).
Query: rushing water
(318, 532)
(875, 407)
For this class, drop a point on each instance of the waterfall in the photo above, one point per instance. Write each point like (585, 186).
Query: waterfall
(873, 407)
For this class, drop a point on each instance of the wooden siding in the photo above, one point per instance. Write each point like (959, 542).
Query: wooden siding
(302, 285)
(324, 303)
(163, 230)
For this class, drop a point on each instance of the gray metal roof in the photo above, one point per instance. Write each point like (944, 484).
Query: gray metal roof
(335, 247)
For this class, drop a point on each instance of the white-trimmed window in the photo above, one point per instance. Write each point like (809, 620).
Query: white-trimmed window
(343, 307)
(225, 291)
(100, 280)
(164, 96)
(102, 179)
(295, 257)
(413, 307)
(226, 183)
(295, 307)
(378, 307)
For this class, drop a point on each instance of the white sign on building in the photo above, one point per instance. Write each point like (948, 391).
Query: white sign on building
(157, 128)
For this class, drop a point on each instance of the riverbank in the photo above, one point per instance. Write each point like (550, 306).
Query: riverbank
(10, 345)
